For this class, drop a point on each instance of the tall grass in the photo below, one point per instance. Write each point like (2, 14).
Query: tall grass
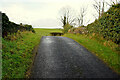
(17, 53)
(97, 46)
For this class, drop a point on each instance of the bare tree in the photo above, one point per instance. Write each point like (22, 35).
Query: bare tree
(66, 16)
(81, 16)
(103, 7)
(99, 7)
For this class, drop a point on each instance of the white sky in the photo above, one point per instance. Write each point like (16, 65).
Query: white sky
(44, 13)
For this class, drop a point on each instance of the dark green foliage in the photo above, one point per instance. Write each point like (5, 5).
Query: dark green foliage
(108, 25)
(29, 28)
(9, 27)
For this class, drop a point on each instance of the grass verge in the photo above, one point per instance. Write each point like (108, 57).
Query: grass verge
(97, 47)
(17, 53)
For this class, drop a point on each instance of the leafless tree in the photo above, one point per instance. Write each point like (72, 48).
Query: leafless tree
(103, 7)
(66, 16)
(99, 7)
(81, 16)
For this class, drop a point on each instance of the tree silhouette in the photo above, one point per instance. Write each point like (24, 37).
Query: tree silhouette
(66, 16)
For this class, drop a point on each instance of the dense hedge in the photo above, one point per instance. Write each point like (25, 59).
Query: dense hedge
(9, 27)
(108, 25)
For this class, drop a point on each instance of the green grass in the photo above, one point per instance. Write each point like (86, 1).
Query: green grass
(17, 54)
(105, 53)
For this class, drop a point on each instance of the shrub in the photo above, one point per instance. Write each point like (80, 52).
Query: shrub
(9, 27)
(67, 27)
(108, 25)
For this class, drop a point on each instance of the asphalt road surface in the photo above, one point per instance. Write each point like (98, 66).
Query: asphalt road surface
(61, 57)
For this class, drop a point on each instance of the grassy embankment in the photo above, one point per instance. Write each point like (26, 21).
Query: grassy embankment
(18, 54)
(103, 37)
(105, 50)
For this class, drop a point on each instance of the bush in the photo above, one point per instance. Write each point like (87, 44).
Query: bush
(67, 27)
(9, 27)
(29, 28)
(108, 25)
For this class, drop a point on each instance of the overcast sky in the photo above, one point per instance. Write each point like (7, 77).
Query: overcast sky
(44, 13)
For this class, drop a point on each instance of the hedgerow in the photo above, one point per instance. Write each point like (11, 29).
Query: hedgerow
(9, 27)
(108, 25)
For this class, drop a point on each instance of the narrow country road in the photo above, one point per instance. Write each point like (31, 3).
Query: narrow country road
(61, 57)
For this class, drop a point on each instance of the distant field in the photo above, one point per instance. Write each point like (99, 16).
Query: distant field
(46, 31)
(17, 55)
